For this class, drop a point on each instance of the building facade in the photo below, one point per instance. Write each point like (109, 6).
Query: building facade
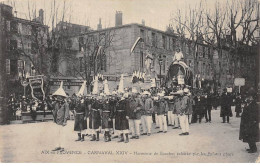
(108, 52)
(23, 48)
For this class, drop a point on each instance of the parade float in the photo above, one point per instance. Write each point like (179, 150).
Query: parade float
(179, 75)
(37, 107)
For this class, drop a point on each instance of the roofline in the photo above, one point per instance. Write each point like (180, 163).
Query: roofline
(73, 24)
(127, 25)
(31, 22)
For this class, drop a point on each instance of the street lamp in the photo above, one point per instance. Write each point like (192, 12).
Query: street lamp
(160, 63)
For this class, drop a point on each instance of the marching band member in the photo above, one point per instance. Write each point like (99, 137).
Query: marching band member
(107, 116)
(121, 119)
(88, 102)
(176, 110)
(80, 118)
(170, 111)
(184, 111)
(95, 118)
(146, 118)
(161, 113)
(134, 113)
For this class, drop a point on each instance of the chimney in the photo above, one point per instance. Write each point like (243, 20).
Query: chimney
(41, 16)
(99, 26)
(143, 22)
(119, 18)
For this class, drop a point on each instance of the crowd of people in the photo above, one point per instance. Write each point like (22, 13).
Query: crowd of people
(133, 112)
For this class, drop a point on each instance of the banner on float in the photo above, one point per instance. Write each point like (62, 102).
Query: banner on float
(180, 79)
(36, 84)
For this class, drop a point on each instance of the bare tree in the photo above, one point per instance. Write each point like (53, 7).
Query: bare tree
(188, 27)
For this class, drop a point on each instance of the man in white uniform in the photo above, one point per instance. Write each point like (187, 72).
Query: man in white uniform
(178, 56)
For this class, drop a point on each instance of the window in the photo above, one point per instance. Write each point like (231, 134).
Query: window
(7, 66)
(13, 67)
(153, 63)
(164, 63)
(20, 67)
(153, 39)
(81, 42)
(13, 44)
(14, 26)
(164, 42)
(8, 25)
(142, 35)
(141, 59)
(173, 44)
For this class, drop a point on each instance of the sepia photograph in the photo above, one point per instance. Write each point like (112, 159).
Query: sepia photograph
(129, 81)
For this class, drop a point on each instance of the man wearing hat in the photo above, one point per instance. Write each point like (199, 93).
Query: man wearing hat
(134, 114)
(199, 107)
(184, 111)
(226, 101)
(146, 118)
(107, 117)
(170, 110)
(95, 117)
(176, 109)
(161, 113)
(249, 125)
(61, 115)
(81, 113)
(121, 119)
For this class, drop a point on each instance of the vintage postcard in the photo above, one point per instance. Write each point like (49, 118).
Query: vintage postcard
(133, 81)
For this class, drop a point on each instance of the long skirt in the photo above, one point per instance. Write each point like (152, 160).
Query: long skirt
(106, 122)
(80, 124)
(94, 119)
(121, 123)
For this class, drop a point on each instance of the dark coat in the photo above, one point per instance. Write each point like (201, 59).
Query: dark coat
(107, 115)
(61, 113)
(94, 115)
(80, 116)
(200, 105)
(226, 101)
(134, 108)
(238, 103)
(121, 123)
(249, 125)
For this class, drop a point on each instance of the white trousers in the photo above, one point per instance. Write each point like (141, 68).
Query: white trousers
(176, 120)
(170, 118)
(162, 122)
(184, 122)
(146, 121)
(156, 121)
(60, 135)
(134, 125)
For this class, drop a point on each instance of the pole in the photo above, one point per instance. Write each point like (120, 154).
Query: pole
(239, 89)
(24, 87)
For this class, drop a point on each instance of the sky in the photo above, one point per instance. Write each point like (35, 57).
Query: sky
(156, 13)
